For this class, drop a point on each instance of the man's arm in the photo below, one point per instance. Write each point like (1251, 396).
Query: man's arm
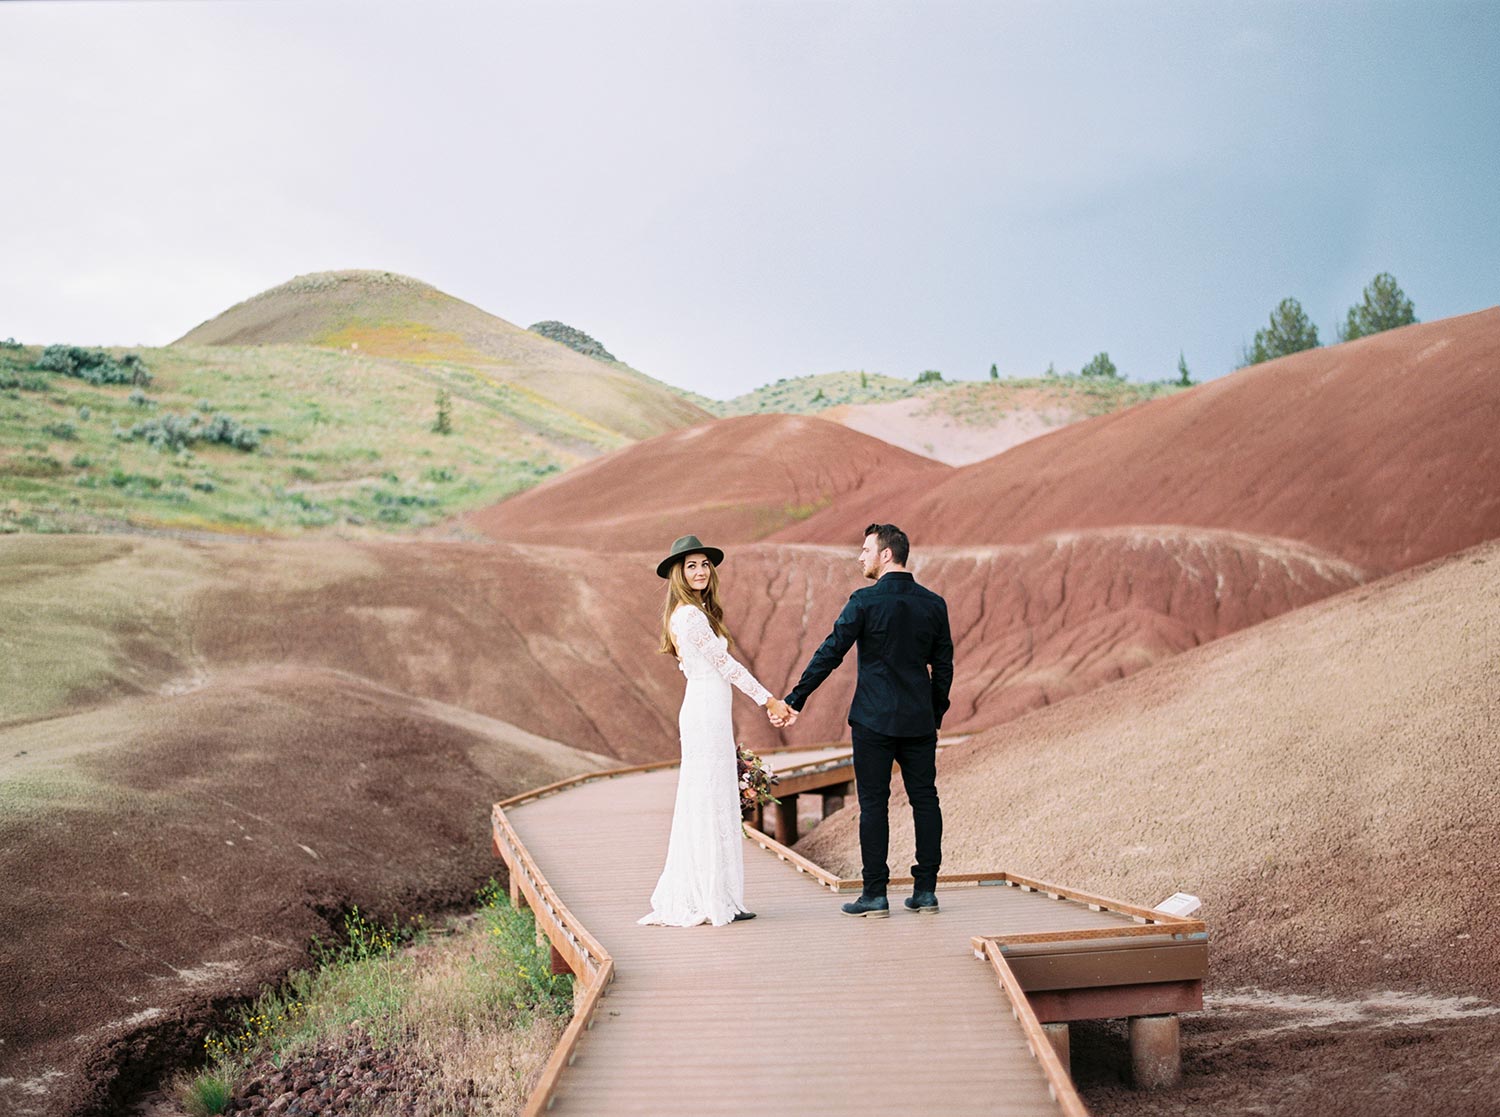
(828, 656)
(942, 668)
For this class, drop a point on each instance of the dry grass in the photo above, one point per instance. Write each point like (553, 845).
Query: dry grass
(471, 1012)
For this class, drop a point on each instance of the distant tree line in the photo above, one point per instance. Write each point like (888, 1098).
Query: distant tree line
(1383, 306)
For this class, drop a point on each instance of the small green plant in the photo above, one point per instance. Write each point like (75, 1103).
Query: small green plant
(443, 424)
(140, 399)
(440, 473)
(207, 1094)
(535, 988)
(84, 413)
(64, 431)
(1183, 378)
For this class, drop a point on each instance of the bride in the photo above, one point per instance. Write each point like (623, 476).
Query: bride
(704, 877)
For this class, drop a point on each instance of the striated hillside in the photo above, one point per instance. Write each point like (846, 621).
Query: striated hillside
(561, 642)
(389, 315)
(1381, 451)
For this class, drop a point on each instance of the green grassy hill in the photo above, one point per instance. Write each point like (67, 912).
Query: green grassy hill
(328, 389)
(383, 314)
(345, 440)
(801, 395)
(976, 401)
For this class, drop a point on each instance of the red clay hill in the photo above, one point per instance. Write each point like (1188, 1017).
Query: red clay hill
(728, 481)
(1383, 451)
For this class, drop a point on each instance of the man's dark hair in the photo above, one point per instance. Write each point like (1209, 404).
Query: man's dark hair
(889, 535)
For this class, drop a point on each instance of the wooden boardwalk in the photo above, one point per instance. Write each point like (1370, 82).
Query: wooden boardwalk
(801, 1010)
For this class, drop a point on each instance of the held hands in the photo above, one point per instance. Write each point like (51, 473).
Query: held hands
(780, 713)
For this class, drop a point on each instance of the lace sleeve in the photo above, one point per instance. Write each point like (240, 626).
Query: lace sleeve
(690, 625)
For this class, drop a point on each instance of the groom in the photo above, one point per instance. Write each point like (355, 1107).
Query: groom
(902, 631)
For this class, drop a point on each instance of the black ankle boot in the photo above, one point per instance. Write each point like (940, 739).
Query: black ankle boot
(869, 907)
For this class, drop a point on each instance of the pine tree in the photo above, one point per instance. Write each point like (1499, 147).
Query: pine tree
(994, 372)
(1384, 307)
(1182, 370)
(444, 423)
(1290, 331)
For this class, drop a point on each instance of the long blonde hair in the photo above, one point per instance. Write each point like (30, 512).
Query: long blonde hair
(680, 593)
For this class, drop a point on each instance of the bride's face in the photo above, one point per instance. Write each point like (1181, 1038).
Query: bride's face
(695, 570)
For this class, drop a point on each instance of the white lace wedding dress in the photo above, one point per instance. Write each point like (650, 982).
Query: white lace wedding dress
(704, 877)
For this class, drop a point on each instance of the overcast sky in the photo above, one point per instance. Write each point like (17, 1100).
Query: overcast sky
(725, 194)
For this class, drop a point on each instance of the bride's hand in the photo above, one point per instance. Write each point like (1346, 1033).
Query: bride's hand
(780, 713)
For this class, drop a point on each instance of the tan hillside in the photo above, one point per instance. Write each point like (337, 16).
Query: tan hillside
(387, 315)
(1381, 451)
(1325, 781)
(968, 421)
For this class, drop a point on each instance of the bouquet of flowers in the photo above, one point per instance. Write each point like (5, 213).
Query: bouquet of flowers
(756, 780)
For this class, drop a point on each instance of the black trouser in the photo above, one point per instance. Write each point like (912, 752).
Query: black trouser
(874, 753)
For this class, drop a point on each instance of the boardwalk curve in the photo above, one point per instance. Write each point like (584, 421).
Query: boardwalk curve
(801, 1009)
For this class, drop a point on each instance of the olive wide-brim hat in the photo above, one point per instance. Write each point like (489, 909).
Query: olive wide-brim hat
(687, 545)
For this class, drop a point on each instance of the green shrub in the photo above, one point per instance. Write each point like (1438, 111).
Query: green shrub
(140, 399)
(171, 431)
(11, 343)
(929, 376)
(64, 431)
(1100, 365)
(94, 366)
